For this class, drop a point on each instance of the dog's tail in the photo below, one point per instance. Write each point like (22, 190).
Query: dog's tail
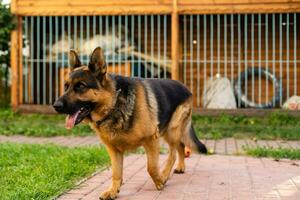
(193, 142)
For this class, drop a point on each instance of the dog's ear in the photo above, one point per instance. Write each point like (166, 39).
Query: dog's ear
(74, 60)
(97, 63)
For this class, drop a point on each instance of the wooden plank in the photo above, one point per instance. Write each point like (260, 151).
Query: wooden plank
(33, 108)
(20, 53)
(14, 68)
(175, 42)
(244, 112)
(94, 10)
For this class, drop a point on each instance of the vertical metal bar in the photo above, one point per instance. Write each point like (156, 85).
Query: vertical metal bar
(62, 66)
(259, 57)
(198, 60)
(38, 60)
(211, 46)
(94, 25)
(205, 62)
(113, 43)
(100, 26)
(273, 52)
(218, 43)
(280, 54)
(146, 42)
(75, 32)
(252, 56)
(165, 46)
(231, 49)
(239, 54)
(32, 57)
(87, 30)
(191, 53)
(152, 45)
(267, 54)
(287, 55)
(50, 63)
(225, 45)
(44, 60)
(132, 44)
(158, 43)
(295, 54)
(126, 44)
(56, 58)
(139, 44)
(81, 38)
(69, 40)
(120, 41)
(246, 52)
(106, 34)
(26, 61)
(184, 49)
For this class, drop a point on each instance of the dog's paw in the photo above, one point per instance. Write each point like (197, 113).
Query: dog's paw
(108, 195)
(179, 170)
(160, 183)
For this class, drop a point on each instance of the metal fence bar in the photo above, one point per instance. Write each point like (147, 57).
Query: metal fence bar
(184, 48)
(259, 58)
(146, 44)
(252, 56)
(287, 55)
(113, 44)
(120, 36)
(231, 49)
(295, 54)
(44, 62)
(273, 51)
(63, 49)
(204, 48)
(26, 62)
(38, 59)
(239, 54)
(139, 45)
(198, 60)
(280, 54)
(218, 43)
(69, 40)
(50, 63)
(87, 30)
(246, 52)
(132, 44)
(165, 46)
(56, 59)
(75, 33)
(81, 38)
(211, 46)
(191, 52)
(106, 35)
(152, 44)
(267, 54)
(126, 44)
(158, 43)
(225, 45)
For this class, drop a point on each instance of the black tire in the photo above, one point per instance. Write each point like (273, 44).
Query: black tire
(255, 71)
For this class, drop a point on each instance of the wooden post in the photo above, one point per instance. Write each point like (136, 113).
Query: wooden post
(20, 54)
(14, 69)
(175, 41)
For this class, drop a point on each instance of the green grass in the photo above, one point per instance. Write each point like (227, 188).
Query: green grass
(274, 126)
(12, 123)
(279, 153)
(43, 172)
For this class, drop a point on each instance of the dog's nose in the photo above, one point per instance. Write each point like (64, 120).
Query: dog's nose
(58, 105)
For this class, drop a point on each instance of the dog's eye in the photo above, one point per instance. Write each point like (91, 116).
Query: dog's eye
(79, 86)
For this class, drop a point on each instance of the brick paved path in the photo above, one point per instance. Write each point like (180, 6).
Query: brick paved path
(207, 177)
(229, 146)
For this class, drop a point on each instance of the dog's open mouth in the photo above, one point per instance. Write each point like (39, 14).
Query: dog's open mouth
(77, 117)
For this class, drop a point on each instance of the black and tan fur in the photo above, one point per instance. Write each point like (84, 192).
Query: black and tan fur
(130, 112)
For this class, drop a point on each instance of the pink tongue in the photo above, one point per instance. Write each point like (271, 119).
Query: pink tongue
(70, 120)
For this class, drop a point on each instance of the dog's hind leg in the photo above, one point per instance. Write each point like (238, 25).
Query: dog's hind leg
(170, 161)
(152, 152)
(180, 166)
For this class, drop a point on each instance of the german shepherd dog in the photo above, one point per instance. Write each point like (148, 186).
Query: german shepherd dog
(127, 113)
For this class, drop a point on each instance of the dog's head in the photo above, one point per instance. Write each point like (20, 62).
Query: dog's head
(87, 88)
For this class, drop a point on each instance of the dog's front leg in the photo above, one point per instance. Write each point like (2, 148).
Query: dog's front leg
(152, 151)
(116, 158)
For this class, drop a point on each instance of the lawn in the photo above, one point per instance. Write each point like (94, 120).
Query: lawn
(43, 172)
(274, 126)
(279, 153)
